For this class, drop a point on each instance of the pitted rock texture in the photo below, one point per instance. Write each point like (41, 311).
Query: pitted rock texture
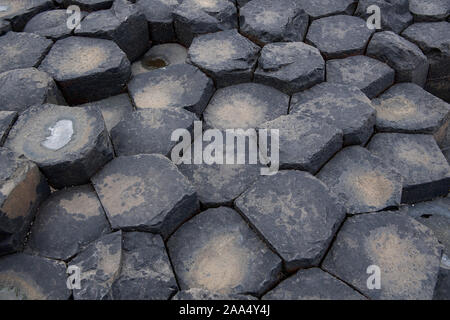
(20, 12)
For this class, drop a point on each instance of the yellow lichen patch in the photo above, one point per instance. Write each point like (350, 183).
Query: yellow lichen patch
(214, 51)
(372, 188)
(81, 206)
(207, 4)
(20, 285)
(81, 60)
(396, 108)
(417, 155)
(168, 92)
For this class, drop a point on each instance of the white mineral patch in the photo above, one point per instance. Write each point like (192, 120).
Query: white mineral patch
(60, 135)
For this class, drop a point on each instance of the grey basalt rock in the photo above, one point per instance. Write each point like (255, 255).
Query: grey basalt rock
(22, 88)
(22, 50)
(22, 190)
(202, 294)
(217, 251)
(177, 86)
(26, 277)
(5, 27)
(442, 290)
(146, 193)
(429, 10)
(67, 222)
(69, 144)
(363, 181)
(406, 252)
(89, 5)
(146, 273)
(7, 119)
(368, 74)
(419, 160)
(290, 66)
(266, 21)
(339, 36)
(51, 24)
(18, 13)
(87, 69)
(226, 56)
(317, 9)
(312, 284)
(196, 17)
(295, 213)
(341, 106)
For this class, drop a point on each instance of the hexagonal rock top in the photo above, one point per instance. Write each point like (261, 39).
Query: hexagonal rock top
(50, 24)
(7, 119)
(245, 106)
(25, 277)
(363, 181)
(290, 66)
(22, 50)
(68, 144)
(87, 69)
(22, 88)
(226, 56)
(217, 251)
(22, 189)
(202, 294)
(146, 273)
(407, 108)
(406, 252)
(429, 10)
(317, 9)
(312, 284)
(305, 143)
(339, 36)
(369, 75)
(295, 213)
(266, 21)
(419, 160)
(196, 17)
(145, 192)
(66, 222)
(20, 12)
(178, 86)
(341, 106)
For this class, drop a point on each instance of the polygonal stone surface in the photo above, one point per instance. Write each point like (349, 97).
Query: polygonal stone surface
(406, 252)
(312, 284)
(295, 213)
(217, 251)
(150, 130)
(51, 24)
(22, 189)
(290, 66)
(99, 265)
(419, 160)
(22, 50)
(245, 106)
(20, 12)
(24, 277)
(7, 119)
(22, 88)
(146, 273)
(408, 61)
(123, 23)
(226, 56)
(317, 9)
(363, 181)
(196, 17)
(145, 192)
(68, 144)
(339, 36)
(341, 106)
(87, 69)
(305, 143)
(429, 10)
(202, 294)
(66, 222)
(369, 75)
(89, 5)
(179, 86)
(266, 21)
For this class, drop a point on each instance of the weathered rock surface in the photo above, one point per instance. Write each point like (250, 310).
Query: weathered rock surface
(18, 13)
(7, 119)
(202, 294)
(51, 24)
(429, 10)
(317, 9)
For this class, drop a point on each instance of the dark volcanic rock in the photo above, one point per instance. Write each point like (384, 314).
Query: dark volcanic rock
(202, 294)
(19, 12)
(317, 9)
(7, 119)
(5, 27)
(51, 24)
(429, 10)
(442, 290)
(89, 5)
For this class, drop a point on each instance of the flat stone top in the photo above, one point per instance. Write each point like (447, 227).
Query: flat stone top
(322, 8)
(52, 24)
(158, 10)
(429, 9)
(429, 36)
(197, 8)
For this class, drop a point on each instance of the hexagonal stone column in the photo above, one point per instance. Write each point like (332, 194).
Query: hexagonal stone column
(20, 12)
(227, 57)
(196, 17)
(66, 222)
(22, 189)
(7, 119)
(87, 69)
(317, 9)
(22, 50)
(339, 36)
(406, 252)
(363, 181)
(146, 273)
(22, 88)
(266, 21)
(419, 160)
(25, 277)
(341, 106)
(295, 213)
(177, 86)
(217, 251)
(290, 66)
(68, 144)
(145, 192)
(245, 106)
(429, 10)
(89, 5)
